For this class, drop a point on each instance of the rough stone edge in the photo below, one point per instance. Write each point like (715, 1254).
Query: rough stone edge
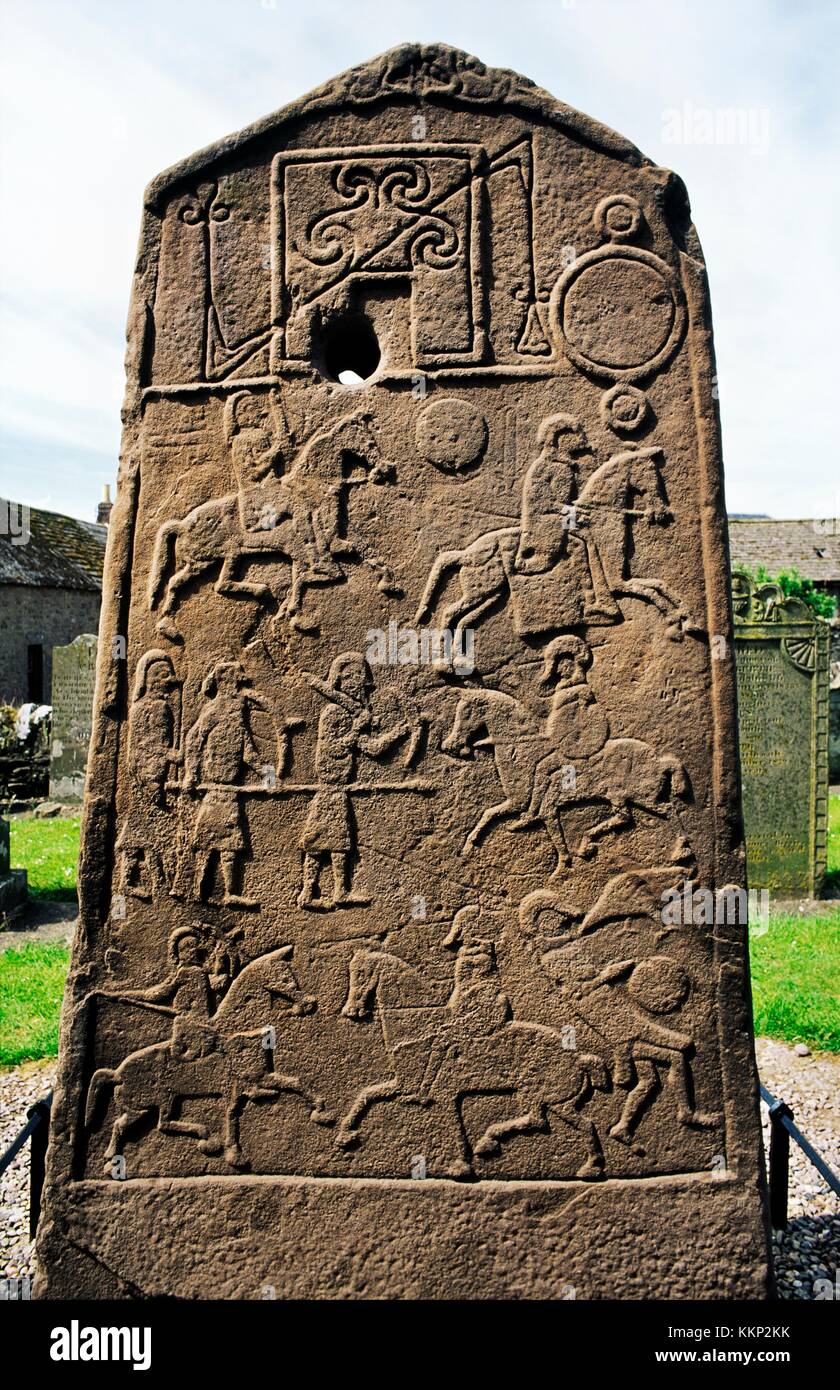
(502, 85)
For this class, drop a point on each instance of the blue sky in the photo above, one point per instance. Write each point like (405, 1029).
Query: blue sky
(96, 97)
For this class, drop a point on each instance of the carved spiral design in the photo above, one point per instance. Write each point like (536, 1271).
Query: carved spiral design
(406, 187)
(330, 241)
(436, 244)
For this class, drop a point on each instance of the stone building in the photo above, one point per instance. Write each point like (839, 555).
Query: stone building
(812, 547)
(50, 591)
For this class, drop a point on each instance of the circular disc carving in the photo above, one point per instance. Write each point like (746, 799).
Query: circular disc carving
(451, 434)
(619, 313)
(624, 408)
(659, 984)
(618, 216)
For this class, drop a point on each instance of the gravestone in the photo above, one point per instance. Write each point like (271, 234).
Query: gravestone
(73, 681)
(418, 546)
(13, 882)
(782, 661)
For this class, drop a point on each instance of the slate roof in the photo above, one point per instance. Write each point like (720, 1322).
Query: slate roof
(784, 545)
(61, 553)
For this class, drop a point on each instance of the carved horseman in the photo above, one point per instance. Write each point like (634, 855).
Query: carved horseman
(187, 992)
(557, 564)
(576, 727)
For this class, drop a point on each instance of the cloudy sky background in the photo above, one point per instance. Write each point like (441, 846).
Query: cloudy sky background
(98, 96)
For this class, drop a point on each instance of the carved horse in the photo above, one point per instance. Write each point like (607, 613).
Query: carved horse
(297, 519)
(626, 773)
(225, 1056)
(439, 1055)
(605, 510)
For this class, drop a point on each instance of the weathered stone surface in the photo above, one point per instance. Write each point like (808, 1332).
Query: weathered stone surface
(372, 994)
(782, 660)
(13, 882)
(74, 678)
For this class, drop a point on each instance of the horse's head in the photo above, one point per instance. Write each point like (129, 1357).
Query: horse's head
(468, 722)
(282, 983)
(356, 439)
(361, 986)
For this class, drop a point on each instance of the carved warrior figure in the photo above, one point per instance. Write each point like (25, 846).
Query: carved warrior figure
(545, 770)
(296, 517)
(319, 975)
(154, 737)
(224, 1055)
(220, 749)
(345, 730)
(568, 561)
(471, 1045)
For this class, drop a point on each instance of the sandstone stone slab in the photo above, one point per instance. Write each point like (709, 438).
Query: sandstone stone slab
(782, 659)
(417, 554)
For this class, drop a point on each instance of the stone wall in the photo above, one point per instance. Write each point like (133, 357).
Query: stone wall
(834, 706)
(39, 616)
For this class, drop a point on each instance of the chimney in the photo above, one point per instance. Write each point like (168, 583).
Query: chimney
(103, 512)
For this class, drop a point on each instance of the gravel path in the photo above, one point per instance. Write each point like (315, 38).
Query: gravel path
(19, 1088)
(808, 1251)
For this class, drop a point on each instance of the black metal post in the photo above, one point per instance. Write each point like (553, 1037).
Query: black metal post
(37, 1158)
(779, 1159)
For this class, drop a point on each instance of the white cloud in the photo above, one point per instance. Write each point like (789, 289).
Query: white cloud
(97, 97)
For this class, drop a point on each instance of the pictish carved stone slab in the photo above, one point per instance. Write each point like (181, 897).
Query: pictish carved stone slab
(782, 661)
(74, 678)
(418, 552)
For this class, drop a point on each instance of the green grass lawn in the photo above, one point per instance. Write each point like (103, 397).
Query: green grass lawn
(49, 850)
(796, 980)
(31, 986)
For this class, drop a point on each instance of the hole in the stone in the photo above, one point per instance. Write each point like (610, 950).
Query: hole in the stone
(350, 352)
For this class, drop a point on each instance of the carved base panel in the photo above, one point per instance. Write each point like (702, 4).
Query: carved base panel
(256, 1238)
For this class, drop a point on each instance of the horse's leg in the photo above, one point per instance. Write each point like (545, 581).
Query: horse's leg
(126, 1119)
(346, 1135)
(678, 1080)
(445, 560)
(167, 1124)
(678, 618)
(493, 813)
(593, 1165)
(647, 1084)
(621, 819)
(557, 835)
(468, 610)
(232, 587)
(236, 1101)
(273, 1083)
(533, 1121)
(190, 570)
